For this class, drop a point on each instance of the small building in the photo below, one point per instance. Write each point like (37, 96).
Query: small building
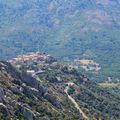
(39, 72)
(31, 72)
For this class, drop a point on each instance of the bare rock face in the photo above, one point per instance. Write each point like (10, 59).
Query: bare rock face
(29, 115)
(33, 83)
(1, 94)
(3, 110)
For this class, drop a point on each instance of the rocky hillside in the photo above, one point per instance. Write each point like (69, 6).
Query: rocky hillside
(58, 93)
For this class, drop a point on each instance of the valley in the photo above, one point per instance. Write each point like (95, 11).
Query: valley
(60, 60)
(65, 29)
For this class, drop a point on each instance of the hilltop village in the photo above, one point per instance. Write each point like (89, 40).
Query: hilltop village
(33, 62)
(88, 65)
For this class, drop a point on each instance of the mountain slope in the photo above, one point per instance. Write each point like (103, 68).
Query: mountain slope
(22, 97)
(43, 96)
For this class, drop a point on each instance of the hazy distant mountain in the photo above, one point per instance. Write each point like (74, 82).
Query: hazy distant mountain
(64, 28)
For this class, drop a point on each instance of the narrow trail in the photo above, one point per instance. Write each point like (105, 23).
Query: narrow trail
(74, 102)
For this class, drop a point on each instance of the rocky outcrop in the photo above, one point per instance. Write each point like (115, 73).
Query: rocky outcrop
(29, 115)
(3, 110)
(1, 94)
(52, 99)
(33, 83)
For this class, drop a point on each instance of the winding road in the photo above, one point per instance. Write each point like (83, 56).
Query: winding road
(74, 102)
